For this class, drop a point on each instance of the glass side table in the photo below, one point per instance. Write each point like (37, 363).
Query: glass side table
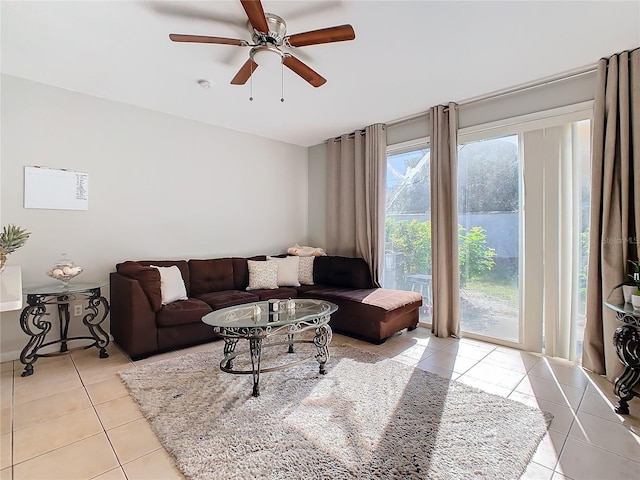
(626, 339)
(34, 323)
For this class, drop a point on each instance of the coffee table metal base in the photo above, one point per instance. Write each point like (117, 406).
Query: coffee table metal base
(321, 340)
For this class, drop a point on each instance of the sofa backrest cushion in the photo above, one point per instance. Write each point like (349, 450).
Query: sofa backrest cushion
(147, 277)
(212, 275)
(342, 272)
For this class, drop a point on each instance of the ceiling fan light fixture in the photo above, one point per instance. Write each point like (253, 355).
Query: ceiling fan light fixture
(265, 48)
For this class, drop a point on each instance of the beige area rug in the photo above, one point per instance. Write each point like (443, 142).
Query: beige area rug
(367, 418)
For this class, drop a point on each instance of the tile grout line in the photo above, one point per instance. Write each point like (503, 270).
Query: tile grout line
(104, 430)
(604, 450)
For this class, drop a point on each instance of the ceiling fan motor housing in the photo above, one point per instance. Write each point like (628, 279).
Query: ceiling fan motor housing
(275, 35)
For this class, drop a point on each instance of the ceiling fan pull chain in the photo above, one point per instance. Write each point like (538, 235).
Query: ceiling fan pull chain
(282, 73)
(251, 84)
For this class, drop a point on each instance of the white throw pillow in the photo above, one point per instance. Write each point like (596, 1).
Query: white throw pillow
(287, 271)
(305, 272)
(171, 284)
(262, 275)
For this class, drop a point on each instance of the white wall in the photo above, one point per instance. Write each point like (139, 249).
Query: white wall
(160, 187)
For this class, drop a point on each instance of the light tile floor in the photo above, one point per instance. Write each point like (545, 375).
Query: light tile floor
(73, 418)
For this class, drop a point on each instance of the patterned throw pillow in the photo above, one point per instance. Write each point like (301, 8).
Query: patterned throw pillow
(262, 275)
(305, 270)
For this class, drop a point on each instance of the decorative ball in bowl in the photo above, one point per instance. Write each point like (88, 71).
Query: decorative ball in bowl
(64, 270)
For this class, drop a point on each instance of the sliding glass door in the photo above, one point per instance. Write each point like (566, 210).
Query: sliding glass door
(408, 225)
(489, 236)
(523, 214)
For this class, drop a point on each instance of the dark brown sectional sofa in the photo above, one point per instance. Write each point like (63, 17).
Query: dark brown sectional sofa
(142, 326)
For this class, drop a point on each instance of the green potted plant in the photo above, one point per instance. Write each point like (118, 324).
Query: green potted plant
(11, 239)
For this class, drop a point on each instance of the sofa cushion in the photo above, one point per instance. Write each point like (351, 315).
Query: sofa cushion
(148, 278)
(211, 275)
(262, 274)
(288, 269)
(342, 272)
(182, 312)
(227, 298)
(282, 293)
(382, 298)
(240, 273)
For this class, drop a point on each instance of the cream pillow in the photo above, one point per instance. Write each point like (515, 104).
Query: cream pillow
(262, 275)
(287, 271)
(171, 284)
(305, 272)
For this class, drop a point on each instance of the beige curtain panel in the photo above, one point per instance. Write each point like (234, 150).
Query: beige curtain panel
(444, 221)
(356, 178)
(615, 203)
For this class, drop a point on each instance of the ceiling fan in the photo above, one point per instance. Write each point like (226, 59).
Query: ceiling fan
(269, 33)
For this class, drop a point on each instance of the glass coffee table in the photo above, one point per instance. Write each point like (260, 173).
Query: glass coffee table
(255, 322)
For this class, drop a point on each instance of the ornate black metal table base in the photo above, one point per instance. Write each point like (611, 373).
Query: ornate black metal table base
(33, 322)
(626, 339)
(321, 340)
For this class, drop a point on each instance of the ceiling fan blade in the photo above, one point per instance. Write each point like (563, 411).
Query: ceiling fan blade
(306, 72)
(341, 33)
(176, 37)
(244, 73)
(255, 12)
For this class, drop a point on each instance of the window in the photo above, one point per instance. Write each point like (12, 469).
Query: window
(489, 236)
(408, 225)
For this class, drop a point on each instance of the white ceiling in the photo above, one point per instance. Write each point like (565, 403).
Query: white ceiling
(407, 56)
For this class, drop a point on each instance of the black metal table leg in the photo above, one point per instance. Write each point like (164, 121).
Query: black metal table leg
(63, 318)
(255, 347)
(229, 348)
(321, 341)
(92, 320)
(33, 324)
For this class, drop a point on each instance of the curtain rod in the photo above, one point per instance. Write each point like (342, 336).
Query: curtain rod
(531, 85)
(508, 91)
(353, 134)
